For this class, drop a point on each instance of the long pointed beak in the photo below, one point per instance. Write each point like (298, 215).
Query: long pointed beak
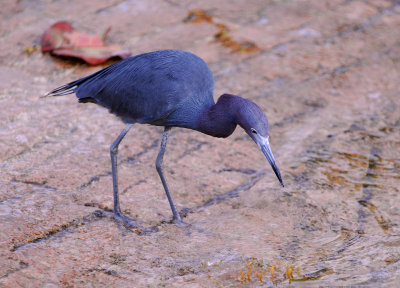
(266, 149)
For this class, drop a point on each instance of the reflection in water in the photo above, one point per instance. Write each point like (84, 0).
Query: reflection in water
(341, 213)
(365, 249)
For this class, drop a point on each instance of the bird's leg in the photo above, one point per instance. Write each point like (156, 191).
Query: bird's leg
(159, 167)
(117, 210)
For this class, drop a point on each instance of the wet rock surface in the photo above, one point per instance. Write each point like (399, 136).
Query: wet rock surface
(327, 75)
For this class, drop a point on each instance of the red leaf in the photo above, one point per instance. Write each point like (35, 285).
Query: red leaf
(62, 39)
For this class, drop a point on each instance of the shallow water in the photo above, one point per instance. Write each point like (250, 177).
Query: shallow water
(355, 183)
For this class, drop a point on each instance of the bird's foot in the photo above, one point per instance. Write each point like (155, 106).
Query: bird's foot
(187, 227)
(131, 224)
(175, 219)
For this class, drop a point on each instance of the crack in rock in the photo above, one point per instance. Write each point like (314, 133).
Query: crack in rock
(57, 231)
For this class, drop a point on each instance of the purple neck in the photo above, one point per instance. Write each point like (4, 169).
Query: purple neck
(219, 120)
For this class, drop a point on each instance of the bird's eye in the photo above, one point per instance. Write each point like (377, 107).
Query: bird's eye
(253, 131)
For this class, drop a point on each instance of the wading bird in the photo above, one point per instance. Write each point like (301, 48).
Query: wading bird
(170, 88)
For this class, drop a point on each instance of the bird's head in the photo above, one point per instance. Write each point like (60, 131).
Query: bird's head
(254, 121)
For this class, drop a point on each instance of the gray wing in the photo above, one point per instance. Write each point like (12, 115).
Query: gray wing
(149, 87)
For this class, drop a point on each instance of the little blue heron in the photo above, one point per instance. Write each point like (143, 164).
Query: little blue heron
(170, 88)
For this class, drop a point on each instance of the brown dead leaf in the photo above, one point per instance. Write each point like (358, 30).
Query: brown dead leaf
(197, 16)
(63, 40)
(223, 36)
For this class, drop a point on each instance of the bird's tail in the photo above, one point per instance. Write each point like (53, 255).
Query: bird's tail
(70, 88)
(65, 89)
